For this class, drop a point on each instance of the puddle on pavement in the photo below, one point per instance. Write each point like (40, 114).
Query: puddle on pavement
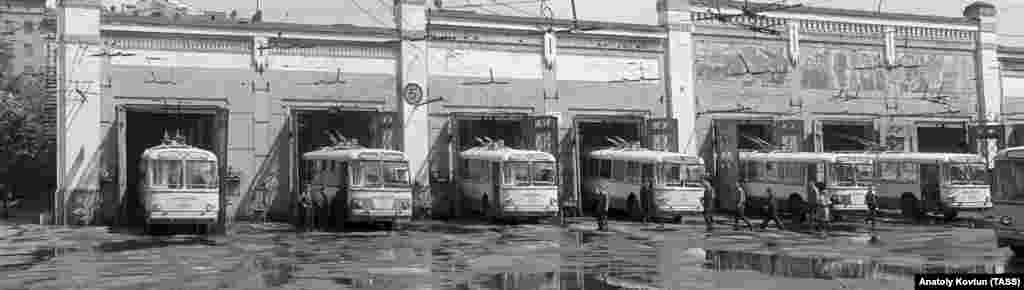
(152, 243)
(821, 267)
(18, 262)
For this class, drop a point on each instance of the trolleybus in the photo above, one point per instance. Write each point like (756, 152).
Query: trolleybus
(622, 171)
(179, 185)
(917, 182)
(1008, 199)
(499, 182)
(847, 178)
(350, 183)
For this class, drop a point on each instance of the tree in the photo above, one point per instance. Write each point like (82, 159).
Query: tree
(24, 146)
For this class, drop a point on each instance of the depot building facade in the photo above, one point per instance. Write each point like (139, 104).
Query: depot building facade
(259, 94)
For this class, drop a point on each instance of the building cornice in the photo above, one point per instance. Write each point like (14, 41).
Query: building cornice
(456, 18)
(261, 29)
(843, 15)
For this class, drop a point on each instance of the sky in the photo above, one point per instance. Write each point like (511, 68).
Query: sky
(379, 12)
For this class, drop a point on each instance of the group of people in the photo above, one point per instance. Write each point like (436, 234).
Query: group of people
(820, 213)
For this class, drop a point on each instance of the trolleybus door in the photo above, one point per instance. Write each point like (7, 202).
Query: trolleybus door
(454, 192)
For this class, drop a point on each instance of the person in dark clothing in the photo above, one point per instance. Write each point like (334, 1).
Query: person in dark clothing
(824, 208)
(647, 200)
(601, 204)
(741, 208)
(871, 200)
(708, 202)
(771, 211)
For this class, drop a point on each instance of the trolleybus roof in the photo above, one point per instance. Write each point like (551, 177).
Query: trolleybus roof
(644, 155)
(806, 157)
(1010, 153)
(177, 151)
(350, 154)
(500, 153)
(928, 157)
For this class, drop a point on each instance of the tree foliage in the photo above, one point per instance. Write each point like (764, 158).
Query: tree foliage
(24, 147)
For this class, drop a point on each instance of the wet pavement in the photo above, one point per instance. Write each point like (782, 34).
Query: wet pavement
(440, 255)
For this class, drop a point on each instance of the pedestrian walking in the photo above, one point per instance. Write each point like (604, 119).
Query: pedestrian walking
(871, 200)
(741, 208)
(771, 211)
(646, 199)
(823, 208)
(601, 204)
(709, 202)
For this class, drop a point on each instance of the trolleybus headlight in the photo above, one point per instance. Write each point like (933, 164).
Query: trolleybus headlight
(361, 204)
(554, 202)
(508, 201)
(210, 207)
(155, 206)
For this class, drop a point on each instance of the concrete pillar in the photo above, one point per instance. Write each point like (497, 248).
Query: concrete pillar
(78, 111)
(677, 71)
(892, 89)
(986, 70)
(413, 124)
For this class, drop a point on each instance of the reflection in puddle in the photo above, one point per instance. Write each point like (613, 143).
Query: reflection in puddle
(819, 267)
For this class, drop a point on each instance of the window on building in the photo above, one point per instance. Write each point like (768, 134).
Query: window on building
(29, 27)
(29, 69)
(29, 51)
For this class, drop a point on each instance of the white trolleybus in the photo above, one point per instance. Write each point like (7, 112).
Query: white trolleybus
(622, 171)
(918, 182)
(179, 185)
(847, 178)
(499, 182)
(350, 183)
(1008, 199)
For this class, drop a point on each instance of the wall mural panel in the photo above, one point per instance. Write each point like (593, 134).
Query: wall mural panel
(825, 70)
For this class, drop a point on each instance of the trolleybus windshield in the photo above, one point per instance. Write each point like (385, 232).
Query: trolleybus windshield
(395, 173)
(517, 173)
(852, 174)
(543, 173)
(1010, 181)
(201, 173)
(681, 174)
(377, 173)
(968, 173)
(166, 173)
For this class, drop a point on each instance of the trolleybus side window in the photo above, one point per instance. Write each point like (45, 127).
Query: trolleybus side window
(632, 172)
(909, 172)
(366, 173)
(396, 173)
(333, 177)
(517, 173)
(618, 170)
(890, 171)
(167, 173)
(308, 171)
(771, 172)
(967, 173)
(201, 173)
(605, 168)
(693, 174)
(670, 174)
(543, 172)
(646, 173)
